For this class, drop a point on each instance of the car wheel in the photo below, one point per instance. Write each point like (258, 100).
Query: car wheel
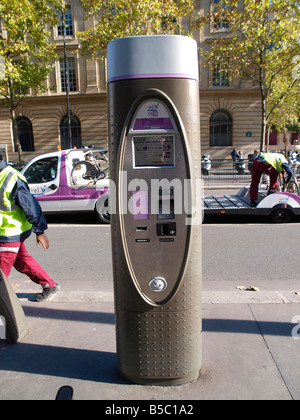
(281, 215)
(102, 209)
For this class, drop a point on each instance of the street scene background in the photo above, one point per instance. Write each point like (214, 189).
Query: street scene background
(237, 251)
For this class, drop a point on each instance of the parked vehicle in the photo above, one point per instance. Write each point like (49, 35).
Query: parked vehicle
(239, 165)
(205, 164)
(251, 158)
(50, 181)
(294, 157)
(280, 206)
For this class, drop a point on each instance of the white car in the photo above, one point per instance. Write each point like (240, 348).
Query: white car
(49, 179)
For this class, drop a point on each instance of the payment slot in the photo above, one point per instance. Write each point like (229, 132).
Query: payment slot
(155, 161)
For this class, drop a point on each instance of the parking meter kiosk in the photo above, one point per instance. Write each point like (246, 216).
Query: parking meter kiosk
(11, 313)
(155, 164)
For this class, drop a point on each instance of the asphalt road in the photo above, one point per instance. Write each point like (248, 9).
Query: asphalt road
(235, 252)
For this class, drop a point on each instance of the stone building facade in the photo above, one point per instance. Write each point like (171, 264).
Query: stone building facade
(42, 119)
(230, 112)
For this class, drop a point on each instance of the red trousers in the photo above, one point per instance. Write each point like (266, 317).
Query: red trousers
(259, 168)
(16, 255)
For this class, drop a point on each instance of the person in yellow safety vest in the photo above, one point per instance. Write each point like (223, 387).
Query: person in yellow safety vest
(270, 164)
(20, 214)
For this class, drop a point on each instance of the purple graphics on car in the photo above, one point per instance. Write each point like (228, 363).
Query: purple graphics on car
(50, 181)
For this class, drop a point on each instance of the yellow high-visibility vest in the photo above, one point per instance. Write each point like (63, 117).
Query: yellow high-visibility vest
(275, 160)
(13, 221)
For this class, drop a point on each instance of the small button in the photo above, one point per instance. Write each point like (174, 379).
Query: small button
(158, 284)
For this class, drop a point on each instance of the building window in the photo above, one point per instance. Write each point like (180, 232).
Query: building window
(66, 23)
(75, 132)
(218, 24)
(25, 134)
(68, 74)
(220, 128)
(220, 77)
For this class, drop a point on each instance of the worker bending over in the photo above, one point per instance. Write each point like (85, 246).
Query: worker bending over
(270, 164)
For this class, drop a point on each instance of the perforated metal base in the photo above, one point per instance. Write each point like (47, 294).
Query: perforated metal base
(160, 347)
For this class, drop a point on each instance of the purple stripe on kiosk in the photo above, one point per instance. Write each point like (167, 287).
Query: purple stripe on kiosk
(150, 76)
(151, 123)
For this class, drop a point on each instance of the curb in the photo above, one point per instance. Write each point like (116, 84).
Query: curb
(208, 297)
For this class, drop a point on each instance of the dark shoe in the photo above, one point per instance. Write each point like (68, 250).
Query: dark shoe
(253, 203)
(47, 294)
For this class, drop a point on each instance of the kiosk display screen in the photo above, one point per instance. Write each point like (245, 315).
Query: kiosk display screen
(155, 151)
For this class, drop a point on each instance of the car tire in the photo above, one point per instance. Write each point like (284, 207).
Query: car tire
(102, 209)
(281, 215)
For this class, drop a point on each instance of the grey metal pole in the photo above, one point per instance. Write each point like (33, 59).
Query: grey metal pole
(66, 63)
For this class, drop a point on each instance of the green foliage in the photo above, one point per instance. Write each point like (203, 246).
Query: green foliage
(261, 44)
(121, 18)
(25, 50)
(24, 46)
(283, 104)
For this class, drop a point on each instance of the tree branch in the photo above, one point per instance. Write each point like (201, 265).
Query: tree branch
(286, 92)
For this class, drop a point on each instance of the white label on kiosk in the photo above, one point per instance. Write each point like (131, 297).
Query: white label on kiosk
(153, 115)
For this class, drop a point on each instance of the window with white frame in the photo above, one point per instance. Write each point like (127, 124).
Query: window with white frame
(218, 24)
(220, 77)
(67, 74)
(66, 22)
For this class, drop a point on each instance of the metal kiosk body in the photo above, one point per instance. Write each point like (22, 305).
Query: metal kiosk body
(11, 314)
(155, 164)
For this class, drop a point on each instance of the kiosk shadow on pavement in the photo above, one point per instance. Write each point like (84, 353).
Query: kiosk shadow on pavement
(97, 365)
(87, 365)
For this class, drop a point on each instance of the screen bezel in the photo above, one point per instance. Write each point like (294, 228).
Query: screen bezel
(149, 163)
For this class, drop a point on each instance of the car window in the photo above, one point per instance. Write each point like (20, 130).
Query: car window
(43, 170)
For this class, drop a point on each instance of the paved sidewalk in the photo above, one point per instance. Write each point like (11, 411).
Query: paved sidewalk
(248, 350)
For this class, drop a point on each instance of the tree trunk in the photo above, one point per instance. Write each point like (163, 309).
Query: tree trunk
(263, 120)
(268, 138)
(16, 141)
